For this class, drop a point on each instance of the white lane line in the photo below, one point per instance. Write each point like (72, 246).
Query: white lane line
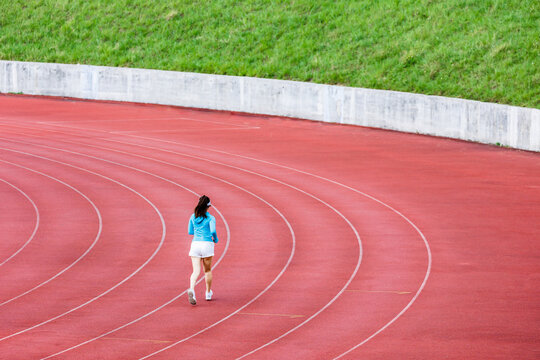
(128, 132)
(410, 302)
(121, 282)
(96, 239)
(36, 226)
(175, 131)
(424, 239)
(176, 118)
(228, 233)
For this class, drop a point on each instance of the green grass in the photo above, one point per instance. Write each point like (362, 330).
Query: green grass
(486, 50)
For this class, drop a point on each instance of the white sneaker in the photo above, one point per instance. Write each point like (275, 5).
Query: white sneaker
(191, 296)
(209, 295)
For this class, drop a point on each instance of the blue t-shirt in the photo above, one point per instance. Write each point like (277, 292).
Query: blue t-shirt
(203, 228)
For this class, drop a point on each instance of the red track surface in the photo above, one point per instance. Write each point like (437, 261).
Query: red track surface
(335, 240)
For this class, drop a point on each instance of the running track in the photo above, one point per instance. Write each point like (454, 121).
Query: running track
(335, 241)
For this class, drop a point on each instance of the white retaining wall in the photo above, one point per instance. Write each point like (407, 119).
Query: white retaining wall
(512, 126)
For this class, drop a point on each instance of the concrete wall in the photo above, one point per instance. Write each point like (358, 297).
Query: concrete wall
(433, 115)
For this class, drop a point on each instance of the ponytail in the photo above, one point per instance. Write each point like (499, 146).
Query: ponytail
(202, 206)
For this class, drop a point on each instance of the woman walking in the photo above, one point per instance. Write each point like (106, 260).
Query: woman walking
(202, 226)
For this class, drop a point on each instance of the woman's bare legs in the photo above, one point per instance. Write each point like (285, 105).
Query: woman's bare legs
(207, 264)
(196, 262)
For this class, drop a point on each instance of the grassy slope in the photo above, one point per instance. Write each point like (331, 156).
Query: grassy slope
(477, 49)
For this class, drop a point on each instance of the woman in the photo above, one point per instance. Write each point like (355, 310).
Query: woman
(202, 226)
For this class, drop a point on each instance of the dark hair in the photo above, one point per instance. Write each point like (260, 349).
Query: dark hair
(202, 206)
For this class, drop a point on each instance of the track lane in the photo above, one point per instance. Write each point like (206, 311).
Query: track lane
(418, 166)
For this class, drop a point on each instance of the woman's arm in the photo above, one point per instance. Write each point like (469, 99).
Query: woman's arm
(190, 226)
(213, 229)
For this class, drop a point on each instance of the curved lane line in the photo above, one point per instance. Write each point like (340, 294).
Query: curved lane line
(35, 227)
(121, 282)
(100, 227)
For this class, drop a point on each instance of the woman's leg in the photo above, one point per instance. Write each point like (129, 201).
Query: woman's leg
(207, 264)
(196, 262)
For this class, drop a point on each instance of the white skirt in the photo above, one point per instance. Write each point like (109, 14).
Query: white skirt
(202, 249)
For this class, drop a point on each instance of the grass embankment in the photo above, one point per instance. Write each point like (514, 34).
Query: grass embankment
(477, 49)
